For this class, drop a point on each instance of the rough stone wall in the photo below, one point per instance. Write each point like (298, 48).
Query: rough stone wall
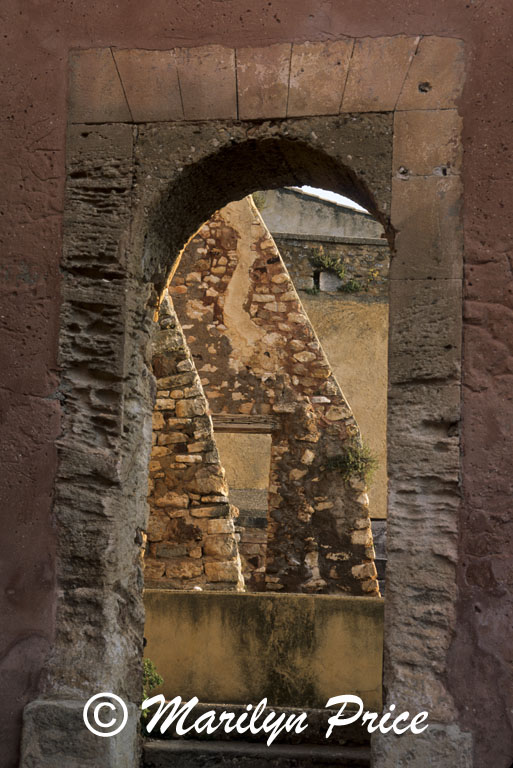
(156, 183)
(257, 354)
(365, 264)
(304, 227)
(190, 537)
(350, 315)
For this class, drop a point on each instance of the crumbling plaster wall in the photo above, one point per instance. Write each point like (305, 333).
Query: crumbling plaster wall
(257, 354)
(364, 262)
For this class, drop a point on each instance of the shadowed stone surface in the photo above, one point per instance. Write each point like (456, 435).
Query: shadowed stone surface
(443, 746)
(46, 720)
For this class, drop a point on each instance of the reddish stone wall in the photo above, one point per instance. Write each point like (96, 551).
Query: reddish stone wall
(33, 114)
(257, 354)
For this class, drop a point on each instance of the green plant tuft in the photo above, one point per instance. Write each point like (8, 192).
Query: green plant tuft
(352, 286)
(151, 679)
(312, 291)
(323, 261)
(357, 460)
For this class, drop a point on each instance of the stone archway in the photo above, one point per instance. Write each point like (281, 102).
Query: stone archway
(136, 192)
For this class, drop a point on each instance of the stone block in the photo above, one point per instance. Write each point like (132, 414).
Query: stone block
(376, 73)
(171, 549)
(426, 449)
(154, 569)
(425, 330)
(157, 528)
(318, 73)
(329, 282)
(417, 153)
(427, 402)
(207, 82)
(150, 82)
(220, 547)
(426, 213)
(54, 735)
(441, 745)
(95, 90)
(189, 408)
(209, 511)
(224, 525)
(435, 77)
(263, 81)
(219, 571)
(183, 568)
(249, 499)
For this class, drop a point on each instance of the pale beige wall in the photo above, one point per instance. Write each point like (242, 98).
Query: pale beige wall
(287, 210)
(297, 650)
(354, 336)
(246, 459)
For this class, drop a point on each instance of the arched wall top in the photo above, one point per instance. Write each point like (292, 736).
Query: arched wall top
(225, 161)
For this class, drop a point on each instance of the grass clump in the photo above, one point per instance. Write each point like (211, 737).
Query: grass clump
(357, 460)
(352, 286)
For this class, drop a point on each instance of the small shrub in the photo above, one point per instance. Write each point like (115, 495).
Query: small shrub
(312, 291)
(352, 286)
(357, 460)
(151, 679)
(326, 263)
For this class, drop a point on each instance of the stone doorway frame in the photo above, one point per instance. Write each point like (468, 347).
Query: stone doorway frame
(416, 82)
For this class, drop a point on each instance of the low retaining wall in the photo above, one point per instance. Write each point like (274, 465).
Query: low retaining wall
(297, 650)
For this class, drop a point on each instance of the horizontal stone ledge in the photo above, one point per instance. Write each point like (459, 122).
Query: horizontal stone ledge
(159, 753)
(331, 239)
(235, 422)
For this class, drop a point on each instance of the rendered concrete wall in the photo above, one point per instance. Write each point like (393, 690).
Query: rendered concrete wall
(296, 650)
(289, 211)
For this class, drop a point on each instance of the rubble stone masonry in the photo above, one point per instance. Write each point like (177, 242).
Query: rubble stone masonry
(190, 537)
(257, 355)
